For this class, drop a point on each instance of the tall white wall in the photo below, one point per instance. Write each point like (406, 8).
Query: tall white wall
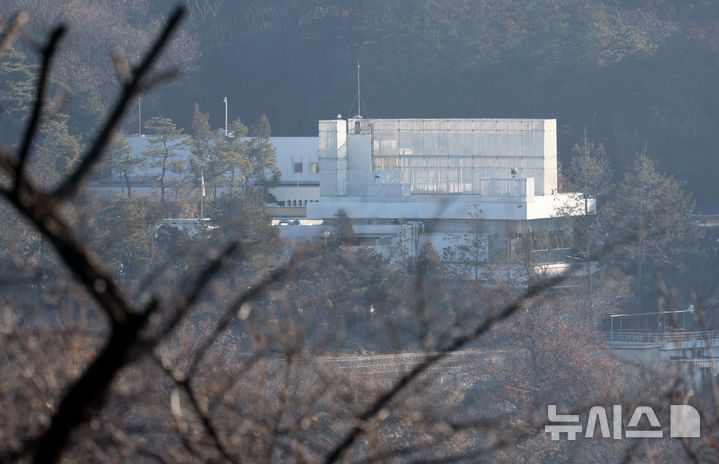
(359, 152)
(550, 156)
(453, 155)
(333, 157)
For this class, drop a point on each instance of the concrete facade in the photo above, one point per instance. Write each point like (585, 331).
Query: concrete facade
(297, 159)
(441, 169)
(410, 182)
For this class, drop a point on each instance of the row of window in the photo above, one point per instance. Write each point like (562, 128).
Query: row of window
(405, 162)
(295, 202)
(513, 144)
(299, 168)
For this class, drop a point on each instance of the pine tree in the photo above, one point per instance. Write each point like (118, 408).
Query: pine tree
(261, 129)
(121, 159)
(652, 210)
(165, 142)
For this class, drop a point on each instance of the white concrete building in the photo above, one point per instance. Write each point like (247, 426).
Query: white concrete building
(413, 181)
(299, 163)
(472, 188)
(297, 159)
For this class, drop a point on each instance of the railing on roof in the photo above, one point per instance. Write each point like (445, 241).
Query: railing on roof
(710, 337)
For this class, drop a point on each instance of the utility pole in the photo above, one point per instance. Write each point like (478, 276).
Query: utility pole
(359, 100)
(139, 107)
(202, 194)
(225, 116)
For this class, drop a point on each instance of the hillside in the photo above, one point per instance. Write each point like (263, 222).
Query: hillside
(634, 74)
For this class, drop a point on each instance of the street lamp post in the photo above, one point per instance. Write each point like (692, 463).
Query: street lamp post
(225, 100)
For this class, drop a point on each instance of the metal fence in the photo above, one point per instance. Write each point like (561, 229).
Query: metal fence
(632, 336)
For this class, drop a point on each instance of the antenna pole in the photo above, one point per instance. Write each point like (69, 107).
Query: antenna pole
(139, 107)
(225, 116)
(359, 101)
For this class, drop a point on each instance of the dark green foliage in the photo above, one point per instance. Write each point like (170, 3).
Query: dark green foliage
(55, 151)
(123, 230)
(261, 129)
(342, 232)
(119, 158)
(84, 108)
(650, 213)
(241, 216)
(200, 123)
(165, 141)
(231, 161)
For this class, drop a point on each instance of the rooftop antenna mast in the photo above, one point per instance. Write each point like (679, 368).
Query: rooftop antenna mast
(225, 116)
(228, 134)
(359, 101)
(139, 106)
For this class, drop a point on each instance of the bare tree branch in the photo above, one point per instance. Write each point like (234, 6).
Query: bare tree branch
(432, 359)
(12, 32)
(197, 285)
(457, 343)
(86, 395)
(183, 382)
(231, 310)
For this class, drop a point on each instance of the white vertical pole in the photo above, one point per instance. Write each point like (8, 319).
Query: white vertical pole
(139, 107)
(359, 101)
(202, 193)
(225, 116)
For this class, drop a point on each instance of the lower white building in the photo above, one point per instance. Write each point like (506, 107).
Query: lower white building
(297, 160)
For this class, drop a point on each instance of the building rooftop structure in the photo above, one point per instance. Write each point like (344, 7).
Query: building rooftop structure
(440, 169)
(410, 182)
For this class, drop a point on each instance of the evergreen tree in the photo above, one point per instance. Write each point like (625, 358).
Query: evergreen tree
(210, 151)
(165, 141)
(125, 227)
(121, 159)
(263, 161)
(652, 210)
(233, 155)
(343, 233)
(242, 216)
(200, 123)
(261, 128)
(56, 150)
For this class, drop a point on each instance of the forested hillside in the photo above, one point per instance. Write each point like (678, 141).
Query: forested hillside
(634, 74)
(184, 327)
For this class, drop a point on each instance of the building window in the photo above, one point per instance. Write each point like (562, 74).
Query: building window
(298, 167)
(315, 168)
